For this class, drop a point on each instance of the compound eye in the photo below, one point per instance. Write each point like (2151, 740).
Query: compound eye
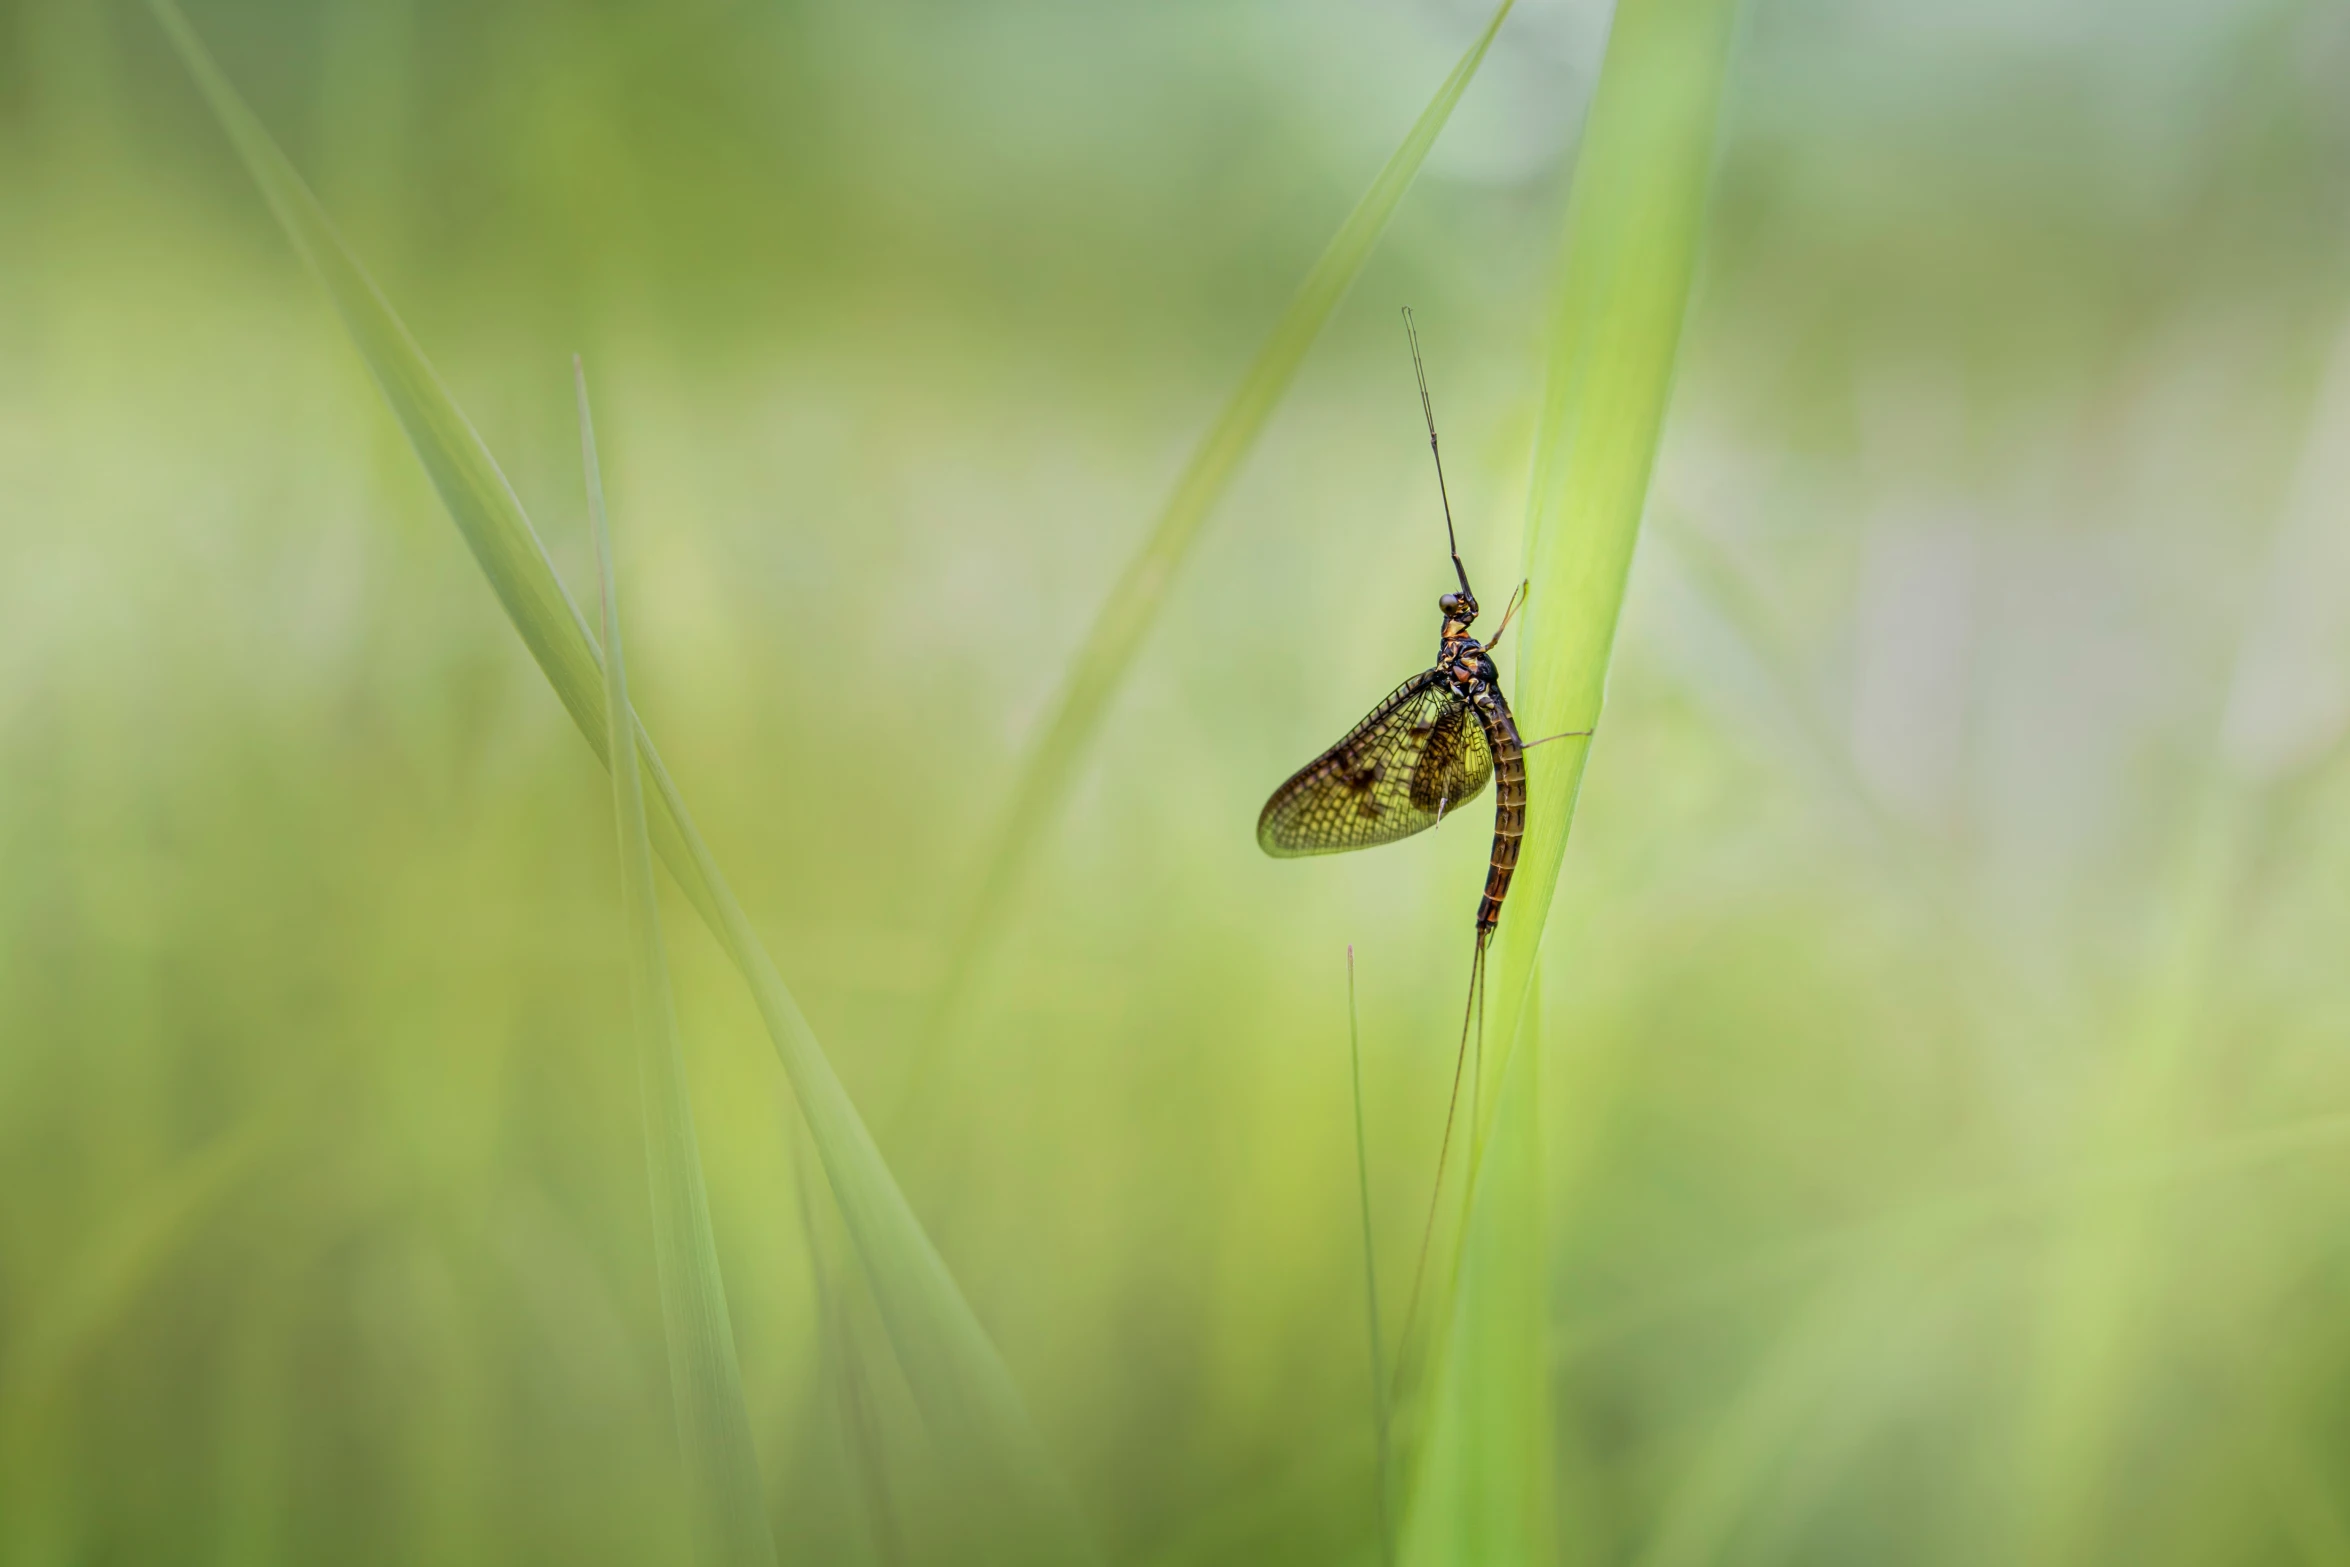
(1450, 603)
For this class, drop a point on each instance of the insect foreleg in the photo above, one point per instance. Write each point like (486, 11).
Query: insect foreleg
(1507, 610)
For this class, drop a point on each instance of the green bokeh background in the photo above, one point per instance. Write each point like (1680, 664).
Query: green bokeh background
(1947, 1093)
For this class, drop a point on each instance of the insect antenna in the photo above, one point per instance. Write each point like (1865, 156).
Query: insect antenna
(1411, 332)
(1473, 1013)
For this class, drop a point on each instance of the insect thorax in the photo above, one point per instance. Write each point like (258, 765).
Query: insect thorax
(1461, 662)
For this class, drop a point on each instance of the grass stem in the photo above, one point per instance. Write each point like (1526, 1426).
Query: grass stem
(727, 1510)
(1133, 606)
(1379, 1414)
(1634, 219)
(959, 1381)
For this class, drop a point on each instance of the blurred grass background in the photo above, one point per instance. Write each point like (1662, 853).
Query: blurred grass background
(1947, 1080)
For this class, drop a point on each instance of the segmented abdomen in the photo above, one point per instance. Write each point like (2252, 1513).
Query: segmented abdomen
(1509, 809)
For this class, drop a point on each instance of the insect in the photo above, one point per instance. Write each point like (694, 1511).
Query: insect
(1428, 749)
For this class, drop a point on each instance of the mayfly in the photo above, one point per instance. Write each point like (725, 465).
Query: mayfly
(1428, 749)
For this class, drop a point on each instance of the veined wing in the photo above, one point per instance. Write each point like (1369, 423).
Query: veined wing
(1420, 756)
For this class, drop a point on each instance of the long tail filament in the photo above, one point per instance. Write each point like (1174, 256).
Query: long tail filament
(1472, 1020)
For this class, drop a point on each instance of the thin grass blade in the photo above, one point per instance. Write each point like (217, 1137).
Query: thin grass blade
(966, 1394)
(844, 1368)
(1127, 615)
(1632, 229)
(1633, 223)
(1481, 1492)
(1378, 1339)
(727, 1509)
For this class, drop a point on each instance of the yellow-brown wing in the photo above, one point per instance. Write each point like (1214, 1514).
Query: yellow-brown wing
(1419, 757)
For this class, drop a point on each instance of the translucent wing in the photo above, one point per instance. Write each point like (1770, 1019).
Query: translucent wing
(1420, 756)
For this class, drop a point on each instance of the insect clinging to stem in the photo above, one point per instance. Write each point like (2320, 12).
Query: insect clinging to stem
(1429, 748)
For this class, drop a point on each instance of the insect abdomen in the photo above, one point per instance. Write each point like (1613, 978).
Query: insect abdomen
(1509, 811)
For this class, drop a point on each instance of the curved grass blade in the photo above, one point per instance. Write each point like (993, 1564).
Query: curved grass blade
(966, 1394)
(1126, 616)
(1632, 229)
(726, 1507)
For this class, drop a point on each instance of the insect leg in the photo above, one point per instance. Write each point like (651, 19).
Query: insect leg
(1507, 610)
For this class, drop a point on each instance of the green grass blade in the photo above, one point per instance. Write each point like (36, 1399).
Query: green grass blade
(1481, 1492)
(1379, 1418)
(844, 1368)
(959, 1380)
(1632, 230)
(1127, 615)
(727, 1509)
(966, 1394)
(462, 470)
